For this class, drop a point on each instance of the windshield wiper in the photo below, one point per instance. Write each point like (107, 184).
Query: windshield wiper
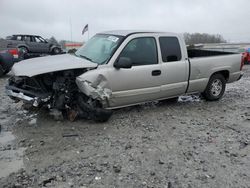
(85, 57)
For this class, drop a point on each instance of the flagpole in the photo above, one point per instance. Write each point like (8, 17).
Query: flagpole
(70, 29)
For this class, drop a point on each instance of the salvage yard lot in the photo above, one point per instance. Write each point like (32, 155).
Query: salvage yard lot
(192, 143)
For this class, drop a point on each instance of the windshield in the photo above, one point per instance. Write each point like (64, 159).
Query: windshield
(99, 48)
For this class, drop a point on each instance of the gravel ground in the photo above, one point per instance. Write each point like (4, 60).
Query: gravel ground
(192, 143)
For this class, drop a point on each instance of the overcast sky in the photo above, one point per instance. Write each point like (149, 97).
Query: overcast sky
(47, 18)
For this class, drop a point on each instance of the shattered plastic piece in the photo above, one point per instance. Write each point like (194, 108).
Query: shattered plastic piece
(32, 122)
(70, 135)
(56, 114)
(97, 178)
(46, 99)
(35, 103)
(189, 98)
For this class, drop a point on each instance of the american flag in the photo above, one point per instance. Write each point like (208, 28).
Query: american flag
(86, 28)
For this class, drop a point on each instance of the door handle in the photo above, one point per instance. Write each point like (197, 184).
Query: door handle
(156, 72)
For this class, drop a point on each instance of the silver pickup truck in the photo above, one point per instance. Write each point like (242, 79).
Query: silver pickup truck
(122, 68)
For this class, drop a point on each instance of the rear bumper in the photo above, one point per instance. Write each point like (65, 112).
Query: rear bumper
(235, 76)
(240, 76)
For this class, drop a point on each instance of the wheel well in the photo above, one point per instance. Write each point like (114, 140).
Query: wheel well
(224, 73)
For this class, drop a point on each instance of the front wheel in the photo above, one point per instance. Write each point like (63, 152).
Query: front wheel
(215, 88)
(91, 109)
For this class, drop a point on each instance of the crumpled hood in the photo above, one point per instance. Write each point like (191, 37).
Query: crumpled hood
(41, 65)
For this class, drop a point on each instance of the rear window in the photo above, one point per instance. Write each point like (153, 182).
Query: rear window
(10, 37)
(170, 49)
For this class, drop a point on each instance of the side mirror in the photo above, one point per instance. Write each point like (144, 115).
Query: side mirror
(123, 62)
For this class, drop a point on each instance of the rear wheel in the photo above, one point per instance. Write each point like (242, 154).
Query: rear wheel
(215, 87)
(23, 52)
(56, 51)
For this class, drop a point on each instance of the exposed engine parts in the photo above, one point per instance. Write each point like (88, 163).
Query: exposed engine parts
(60, 93)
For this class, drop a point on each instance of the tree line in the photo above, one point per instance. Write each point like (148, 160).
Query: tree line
(197, 38)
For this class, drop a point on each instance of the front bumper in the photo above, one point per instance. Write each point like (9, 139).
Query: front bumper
(26, 96)
(20, 96)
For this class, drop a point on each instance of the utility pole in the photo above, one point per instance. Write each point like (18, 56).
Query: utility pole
(70, 29)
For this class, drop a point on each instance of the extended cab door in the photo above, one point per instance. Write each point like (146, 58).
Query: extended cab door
(175, 68)
(142, 81)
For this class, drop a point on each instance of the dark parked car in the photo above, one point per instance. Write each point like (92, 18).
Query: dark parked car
(7, 58)
(33, 44)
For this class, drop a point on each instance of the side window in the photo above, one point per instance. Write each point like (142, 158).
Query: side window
(27, 39)
(42, 40)
(38, 40)
(32, 39)
(19, 38)
(13, 37)
(141, 51)
(170, 49)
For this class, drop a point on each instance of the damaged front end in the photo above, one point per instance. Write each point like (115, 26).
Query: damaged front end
(95, 87)
(27, 90)
(59, 91)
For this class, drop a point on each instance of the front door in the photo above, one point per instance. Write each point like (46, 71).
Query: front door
(140, 83)
(38, 45)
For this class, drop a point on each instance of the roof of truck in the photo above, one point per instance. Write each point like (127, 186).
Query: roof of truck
(129, 32)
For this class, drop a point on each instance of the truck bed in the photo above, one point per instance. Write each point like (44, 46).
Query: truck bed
(201, 68)
(193, 53)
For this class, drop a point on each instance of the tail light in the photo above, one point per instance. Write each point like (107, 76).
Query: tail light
(14, 52)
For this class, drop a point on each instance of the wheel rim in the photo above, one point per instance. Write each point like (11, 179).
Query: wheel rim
(56, 51)
(216, 87)
(23, 50)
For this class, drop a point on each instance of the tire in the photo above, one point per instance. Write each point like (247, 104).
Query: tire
(215, 88)
(24, 52)
(6, 72)
(97, 113)
(56, 51)
(1, 71)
